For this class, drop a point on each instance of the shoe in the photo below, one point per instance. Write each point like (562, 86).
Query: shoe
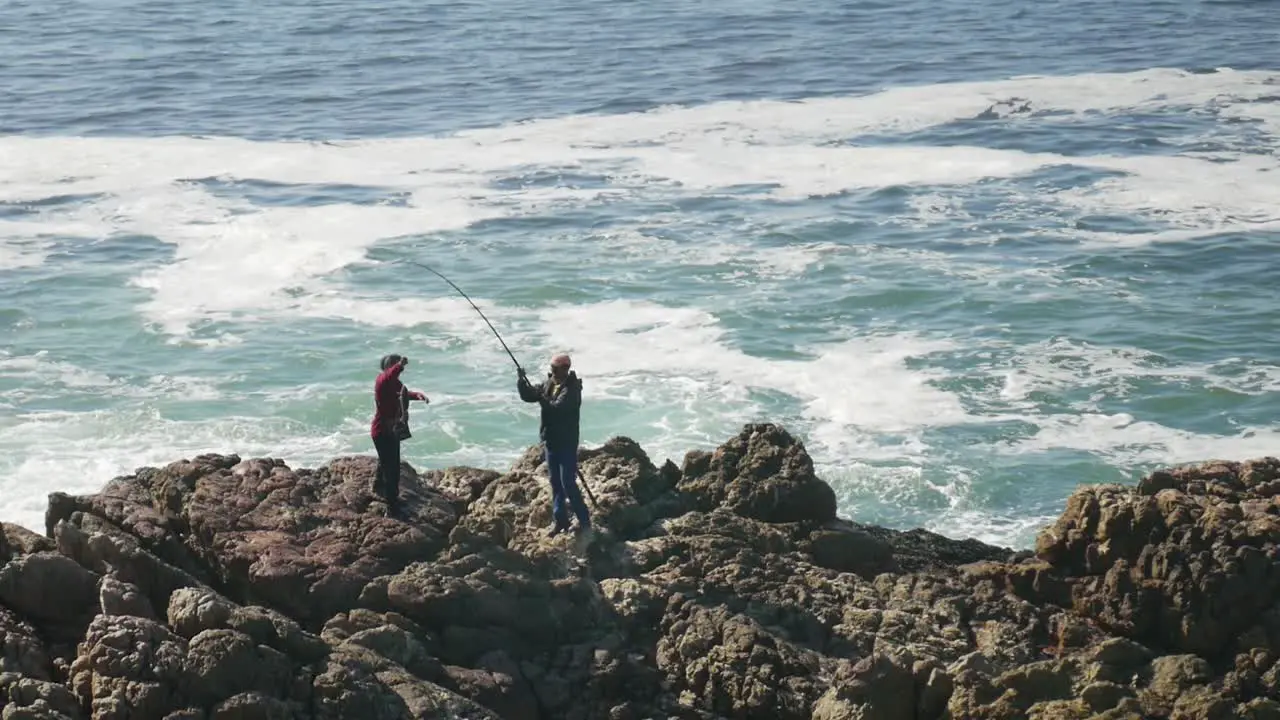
(581, 529)
(557, 530)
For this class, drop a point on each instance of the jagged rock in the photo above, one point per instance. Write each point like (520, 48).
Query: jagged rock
(196, 610)
(129, 667)
(224, 663)
(463, 485)
(1171, 677)
(848, 549)
(401, 647)
(220, 587)
(1260, 709)
(255, 706)
(881, 686)
(247, 662)
(106, 550)
(1187, 560)
(305, 542)
(764, 473)
(31, 698)
(497, 684)
(24, 652)
(731, 665)
(357, 682)
(50, 589)
(17, 540)
(121, 598)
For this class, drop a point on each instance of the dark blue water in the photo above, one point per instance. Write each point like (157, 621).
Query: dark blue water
(326, 70)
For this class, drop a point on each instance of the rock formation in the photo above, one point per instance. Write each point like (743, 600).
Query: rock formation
(217, 588)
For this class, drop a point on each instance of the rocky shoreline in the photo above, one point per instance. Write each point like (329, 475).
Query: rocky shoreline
(222, 588)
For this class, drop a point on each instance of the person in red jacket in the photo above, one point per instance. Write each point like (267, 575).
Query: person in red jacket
(388, 412)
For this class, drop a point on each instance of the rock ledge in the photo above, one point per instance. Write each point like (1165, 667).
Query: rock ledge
(222, 588)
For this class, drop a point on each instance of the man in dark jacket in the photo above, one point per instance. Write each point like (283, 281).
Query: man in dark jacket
(560, 398)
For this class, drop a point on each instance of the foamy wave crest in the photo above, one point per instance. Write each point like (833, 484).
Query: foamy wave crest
(239, 259)
(40, 374)
(1125, 441)
(1059, 364)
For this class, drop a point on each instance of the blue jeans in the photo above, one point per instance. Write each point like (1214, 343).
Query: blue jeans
(562, 465)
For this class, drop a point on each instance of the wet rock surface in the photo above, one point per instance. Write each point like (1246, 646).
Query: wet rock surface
(724, 586)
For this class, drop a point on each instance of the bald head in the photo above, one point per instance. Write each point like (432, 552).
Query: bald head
(560, 365)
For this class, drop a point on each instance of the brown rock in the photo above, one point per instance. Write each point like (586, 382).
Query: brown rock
(255, 706)
(28, 697)
(878, 687)
(358, 683)
(224, 663)
(848, 549)
(723, 589)
(1260, 709)
(17, 540)
(129, 667)
(121, 598)
(23, 651)
(730, 665)
(51, 589)
(463, 485)
(763, 473)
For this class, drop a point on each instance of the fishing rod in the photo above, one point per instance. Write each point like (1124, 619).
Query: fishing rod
(587, 487)
(519, 369)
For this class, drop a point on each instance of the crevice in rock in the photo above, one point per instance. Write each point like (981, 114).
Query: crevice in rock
(543, 713)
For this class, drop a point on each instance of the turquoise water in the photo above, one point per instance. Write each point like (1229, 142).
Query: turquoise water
(973, 254)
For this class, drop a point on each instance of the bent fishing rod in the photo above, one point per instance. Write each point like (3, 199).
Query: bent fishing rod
(519, 369)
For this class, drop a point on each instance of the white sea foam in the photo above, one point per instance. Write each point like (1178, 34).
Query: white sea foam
(719, 250)
(41, 374)
(1059, 364)
(1188, 193)
(1000, 529)
(1127, 442)
(686, 386)
(234, 259)
(894, 110)
(1266, 115)
(41, 369)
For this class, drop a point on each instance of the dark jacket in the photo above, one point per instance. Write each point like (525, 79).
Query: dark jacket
(561, 404)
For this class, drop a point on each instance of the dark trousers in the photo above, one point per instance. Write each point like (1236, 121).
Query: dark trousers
(562, 465)
(388, 481)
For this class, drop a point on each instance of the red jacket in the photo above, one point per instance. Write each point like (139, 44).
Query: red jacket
(386, 400)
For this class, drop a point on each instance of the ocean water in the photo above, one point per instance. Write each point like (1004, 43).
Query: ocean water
(973, 253)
